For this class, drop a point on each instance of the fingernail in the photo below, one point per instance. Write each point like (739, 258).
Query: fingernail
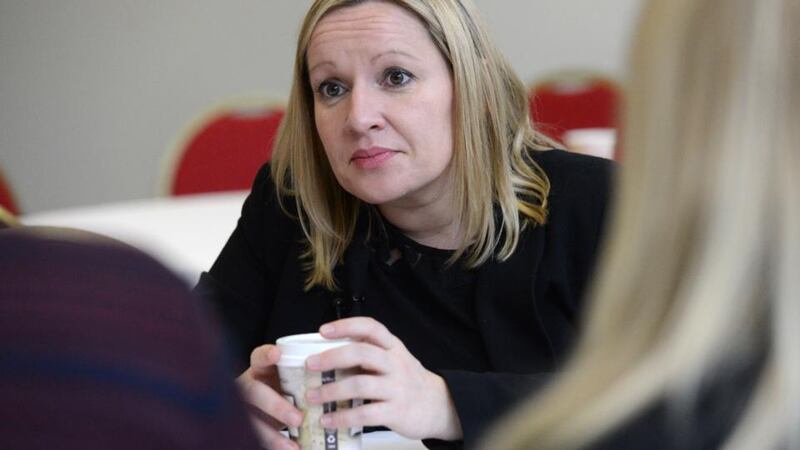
(312, 395)
(326, 420)
(312, 362)
(327, 329)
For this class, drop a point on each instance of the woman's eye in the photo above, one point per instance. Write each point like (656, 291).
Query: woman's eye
(397, 77)
(330, 89)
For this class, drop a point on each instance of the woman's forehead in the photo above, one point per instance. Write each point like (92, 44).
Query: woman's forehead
(372, 28)
(370, 22)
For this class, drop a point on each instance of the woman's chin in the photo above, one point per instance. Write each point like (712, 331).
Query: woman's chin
(376, 200)
(375, 195)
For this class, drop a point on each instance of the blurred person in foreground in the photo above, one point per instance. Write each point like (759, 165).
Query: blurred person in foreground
(408, 186)
(102, 347)
(692, 337)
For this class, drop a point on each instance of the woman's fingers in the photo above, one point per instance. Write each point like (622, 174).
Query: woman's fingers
(357, 386)
(264, 358)
(269, 409)
(372, 414)
(366, 356)
(361, 329)
(271, 403)
(270, 437)
(408, 398)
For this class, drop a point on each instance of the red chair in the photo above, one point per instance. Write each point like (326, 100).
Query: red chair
(7, 199)
(575, 99)
(223, 149)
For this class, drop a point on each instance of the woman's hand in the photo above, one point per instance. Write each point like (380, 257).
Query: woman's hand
(405, 397)
(269, 410)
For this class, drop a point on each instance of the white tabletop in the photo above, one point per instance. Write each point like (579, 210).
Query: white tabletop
(185, 233)
(387, 440)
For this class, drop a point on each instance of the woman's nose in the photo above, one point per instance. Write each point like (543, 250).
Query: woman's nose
(365, 112)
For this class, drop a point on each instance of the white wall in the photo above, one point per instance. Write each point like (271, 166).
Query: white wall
(92, 92)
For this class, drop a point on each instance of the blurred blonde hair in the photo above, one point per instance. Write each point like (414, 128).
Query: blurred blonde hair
(492, 132)
(7, 219)
(701, 267)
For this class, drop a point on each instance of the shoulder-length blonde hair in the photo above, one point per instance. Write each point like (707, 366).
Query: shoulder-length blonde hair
(492, 130)
(701, 269)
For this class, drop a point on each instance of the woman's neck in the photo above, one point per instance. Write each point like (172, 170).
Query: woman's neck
(432, 224)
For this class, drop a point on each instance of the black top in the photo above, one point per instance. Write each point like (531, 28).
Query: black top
(421, 294)
(493, 333)
(704, 421)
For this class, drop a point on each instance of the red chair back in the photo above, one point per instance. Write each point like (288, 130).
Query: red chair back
(224, 151)
(7, 199)
(574, 100)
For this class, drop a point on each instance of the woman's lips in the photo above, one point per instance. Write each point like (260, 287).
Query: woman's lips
(372, 157)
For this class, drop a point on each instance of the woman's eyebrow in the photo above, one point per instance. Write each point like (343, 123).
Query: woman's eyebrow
(393, 52)
(372, 60)
(320, 64)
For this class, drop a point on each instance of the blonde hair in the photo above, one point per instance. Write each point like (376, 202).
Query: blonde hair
(492, 132)
(700, 271)
(7, 218)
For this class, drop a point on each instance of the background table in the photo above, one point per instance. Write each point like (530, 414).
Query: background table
(387, 440)
(184, 233)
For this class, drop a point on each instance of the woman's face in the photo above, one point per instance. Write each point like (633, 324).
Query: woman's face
(383, 104)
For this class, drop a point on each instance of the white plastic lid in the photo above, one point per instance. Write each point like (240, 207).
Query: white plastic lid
(296, 348)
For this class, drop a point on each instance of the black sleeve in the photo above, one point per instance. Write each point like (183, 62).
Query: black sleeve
(578, 205)
(580, 202)
(242, 282)
(482, 398)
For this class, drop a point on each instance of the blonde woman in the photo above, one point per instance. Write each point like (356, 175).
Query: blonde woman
(692, 338)
(408, 189)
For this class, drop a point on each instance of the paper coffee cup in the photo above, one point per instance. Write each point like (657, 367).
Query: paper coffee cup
(295, 380)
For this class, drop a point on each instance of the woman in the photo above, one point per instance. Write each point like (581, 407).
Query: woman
(692, 338)
(409, 188)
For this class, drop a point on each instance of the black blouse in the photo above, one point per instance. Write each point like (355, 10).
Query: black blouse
(493, 333)
(420, 295)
